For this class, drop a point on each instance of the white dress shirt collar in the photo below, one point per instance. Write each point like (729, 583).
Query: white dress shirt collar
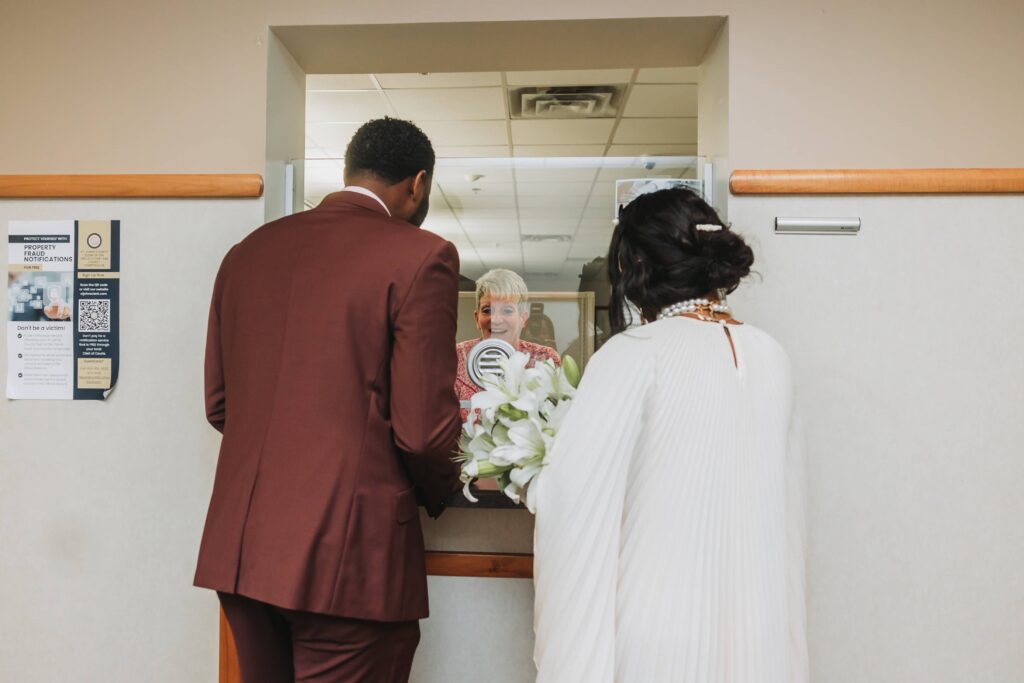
(368, 193)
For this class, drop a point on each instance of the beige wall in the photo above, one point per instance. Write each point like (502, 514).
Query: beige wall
(914, 478)
(129, 86)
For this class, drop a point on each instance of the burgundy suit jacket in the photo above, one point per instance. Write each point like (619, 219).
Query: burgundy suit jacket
(330, 366)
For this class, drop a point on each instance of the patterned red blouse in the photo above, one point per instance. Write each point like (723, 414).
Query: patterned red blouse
(464, 386)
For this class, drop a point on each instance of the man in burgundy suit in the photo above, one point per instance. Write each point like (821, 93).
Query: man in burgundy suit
(329, 370)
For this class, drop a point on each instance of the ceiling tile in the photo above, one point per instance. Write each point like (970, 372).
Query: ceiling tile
(587, 251)
(673, 131)
(444, 230)
(552, 201)
(671, 74)
(550, 212)
(467, 203)
(491, 227)
(438, 203)
(566, 132)
(652, 150)
(596, 226)
(448, 104)
(471, 269)
(661, 100)
(484, 214)
(598, 211)
(495, 242)
(570, 77)
(459, 171)
(470, 152)
(321, 176)
(558, 150)
(549, 226)
(331, 135)
(439, 80)
(605, 189)
(321, 153)
(466, 133)
(508, 253)
(546, 252)
(349, 106)
(553, 188)
(595, 240)
(478, 189)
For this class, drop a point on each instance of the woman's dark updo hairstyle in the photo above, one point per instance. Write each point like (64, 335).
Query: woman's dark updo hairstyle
(658, 257)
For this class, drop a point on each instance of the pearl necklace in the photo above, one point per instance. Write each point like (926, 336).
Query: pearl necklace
(699, 306)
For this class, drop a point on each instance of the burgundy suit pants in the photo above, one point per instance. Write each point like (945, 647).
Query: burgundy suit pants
(278, 645)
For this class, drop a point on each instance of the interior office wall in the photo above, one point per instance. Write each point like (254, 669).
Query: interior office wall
(132, 87)
(286, 130)
(713, 118)
(904, 342)
(913, 520)
(102, 503)
(128, 86)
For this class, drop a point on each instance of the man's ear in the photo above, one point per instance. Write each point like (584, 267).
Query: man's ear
(420, 184)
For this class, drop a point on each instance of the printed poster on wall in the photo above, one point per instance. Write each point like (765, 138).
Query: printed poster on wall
(63, 290)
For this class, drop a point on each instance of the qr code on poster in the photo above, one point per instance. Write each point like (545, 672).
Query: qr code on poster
(94, 315)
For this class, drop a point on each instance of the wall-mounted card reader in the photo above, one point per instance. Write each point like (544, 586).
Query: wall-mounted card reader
(817, 226)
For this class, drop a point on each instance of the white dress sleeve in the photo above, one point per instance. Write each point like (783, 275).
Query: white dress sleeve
(796, 543)
(580, 496)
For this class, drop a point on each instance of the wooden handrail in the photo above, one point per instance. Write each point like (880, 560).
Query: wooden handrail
(879, 181)
(482, 565)
(132, 186)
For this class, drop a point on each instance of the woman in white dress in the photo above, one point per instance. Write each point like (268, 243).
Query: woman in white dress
(670, 525)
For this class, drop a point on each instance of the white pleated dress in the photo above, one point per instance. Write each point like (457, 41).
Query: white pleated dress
(669, 541)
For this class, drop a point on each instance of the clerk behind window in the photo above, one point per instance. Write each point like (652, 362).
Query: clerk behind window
(502, 309)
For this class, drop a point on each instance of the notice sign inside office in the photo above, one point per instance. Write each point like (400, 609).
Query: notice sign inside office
(63, 290)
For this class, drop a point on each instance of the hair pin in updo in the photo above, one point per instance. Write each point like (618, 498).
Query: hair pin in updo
(708, 227)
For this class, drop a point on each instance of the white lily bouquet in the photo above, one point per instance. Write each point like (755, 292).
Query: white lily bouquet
(512, 424)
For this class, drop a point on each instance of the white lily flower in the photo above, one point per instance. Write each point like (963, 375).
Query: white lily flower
(512, 491)
(511, 455)
(487, 402)
(499, 434)
(557, 415)
(480, 446)
(522, 476)
(530, 499)
(528, 434)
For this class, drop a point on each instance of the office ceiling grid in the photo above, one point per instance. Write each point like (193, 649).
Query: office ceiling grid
(535, 195)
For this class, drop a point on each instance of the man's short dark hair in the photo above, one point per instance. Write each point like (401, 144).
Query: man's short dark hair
(391, 149)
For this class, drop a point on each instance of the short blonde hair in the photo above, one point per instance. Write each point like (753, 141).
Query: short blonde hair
(504, 284)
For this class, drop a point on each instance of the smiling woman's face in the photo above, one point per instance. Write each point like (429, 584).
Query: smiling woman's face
(500, 319)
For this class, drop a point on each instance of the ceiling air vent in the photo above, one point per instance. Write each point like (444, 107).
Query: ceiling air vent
(566, 102)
